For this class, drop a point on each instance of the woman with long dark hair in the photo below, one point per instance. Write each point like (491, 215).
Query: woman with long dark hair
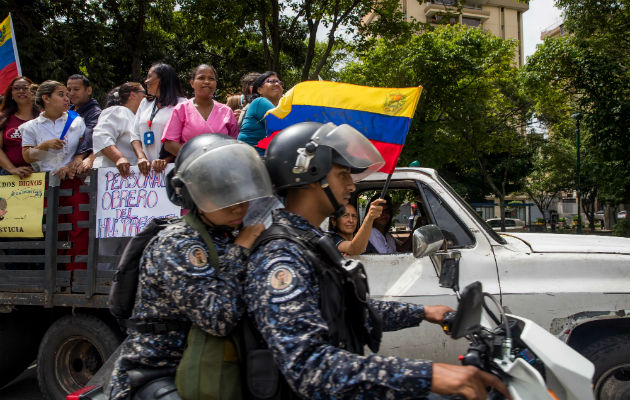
(164, 92)
(266, 91)
(344, 233)
(201, 114)
(17, 108)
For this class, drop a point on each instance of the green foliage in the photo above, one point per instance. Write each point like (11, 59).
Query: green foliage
(588, 71)
(471, 111)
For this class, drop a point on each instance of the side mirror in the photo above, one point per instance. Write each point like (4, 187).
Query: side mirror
(427, 240)
(468, 316)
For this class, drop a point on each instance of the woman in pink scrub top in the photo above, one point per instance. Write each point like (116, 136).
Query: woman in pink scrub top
(201, 114)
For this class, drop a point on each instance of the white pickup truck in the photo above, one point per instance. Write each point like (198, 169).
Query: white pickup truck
(577, 287)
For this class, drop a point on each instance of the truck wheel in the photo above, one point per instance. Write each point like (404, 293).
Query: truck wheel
(611, 356)
(20, 334)
(72, 350)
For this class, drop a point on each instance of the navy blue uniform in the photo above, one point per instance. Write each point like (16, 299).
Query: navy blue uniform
(178, 282)
(282, 295)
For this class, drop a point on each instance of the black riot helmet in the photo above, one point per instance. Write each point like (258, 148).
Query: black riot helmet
(213, 171)
(305, 152)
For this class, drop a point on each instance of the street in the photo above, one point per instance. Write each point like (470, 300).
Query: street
(24, 387)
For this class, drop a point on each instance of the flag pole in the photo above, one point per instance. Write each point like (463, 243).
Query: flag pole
(15, 51)
(386, 186)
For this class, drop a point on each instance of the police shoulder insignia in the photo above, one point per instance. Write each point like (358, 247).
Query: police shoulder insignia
(282, 284)
(197, 256)
(281, 279)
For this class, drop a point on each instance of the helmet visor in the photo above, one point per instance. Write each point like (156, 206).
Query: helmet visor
(350, 149)
(225, 176)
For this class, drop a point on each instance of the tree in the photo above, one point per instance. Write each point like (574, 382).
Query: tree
(472, 110)
(552, 173)
(586, 74)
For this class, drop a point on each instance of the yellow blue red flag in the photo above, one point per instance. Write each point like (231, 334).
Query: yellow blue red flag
(383, 115)
(9, 59)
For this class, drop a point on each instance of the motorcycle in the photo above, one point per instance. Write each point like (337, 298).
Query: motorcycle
(532, 362)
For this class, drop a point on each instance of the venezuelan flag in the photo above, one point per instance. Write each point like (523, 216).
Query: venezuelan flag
(383, 115)
(9, 60)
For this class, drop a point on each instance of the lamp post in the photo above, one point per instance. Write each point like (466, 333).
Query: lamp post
(578, 116)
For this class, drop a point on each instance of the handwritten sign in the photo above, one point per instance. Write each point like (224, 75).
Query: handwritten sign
(22, 205)
(125, 206)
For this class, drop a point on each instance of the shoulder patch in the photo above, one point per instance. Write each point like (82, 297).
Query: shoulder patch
(281, 279)
(282, 283)
(197, 256)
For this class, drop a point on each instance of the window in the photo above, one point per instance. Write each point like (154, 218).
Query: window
(453, 230)
(471, 21)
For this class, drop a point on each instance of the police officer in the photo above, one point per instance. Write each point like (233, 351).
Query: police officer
(215, 177)
(314, 167)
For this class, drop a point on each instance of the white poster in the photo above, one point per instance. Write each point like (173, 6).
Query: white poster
(126, 205)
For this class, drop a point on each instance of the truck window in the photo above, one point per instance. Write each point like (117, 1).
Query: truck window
(453, 229)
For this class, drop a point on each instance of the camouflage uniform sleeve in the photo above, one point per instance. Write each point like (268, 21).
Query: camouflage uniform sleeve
(282, 296)
(209, 296)
(397, 315)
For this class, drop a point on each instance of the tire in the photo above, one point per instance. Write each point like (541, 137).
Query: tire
(20, 333)
(611, 356)
(72, 350)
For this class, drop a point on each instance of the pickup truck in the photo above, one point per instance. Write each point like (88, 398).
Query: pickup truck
(577, 287)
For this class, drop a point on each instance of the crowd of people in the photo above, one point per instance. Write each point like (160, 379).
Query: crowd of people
(61, 128)
(206, 269)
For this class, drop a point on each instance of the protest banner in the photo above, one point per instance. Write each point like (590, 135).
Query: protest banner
(22, 205)
(125, 206)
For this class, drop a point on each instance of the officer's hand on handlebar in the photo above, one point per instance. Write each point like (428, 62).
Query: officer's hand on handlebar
(469, 382)
(435, 314)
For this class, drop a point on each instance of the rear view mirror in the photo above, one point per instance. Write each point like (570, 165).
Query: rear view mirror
(427, 240)
(468, 315)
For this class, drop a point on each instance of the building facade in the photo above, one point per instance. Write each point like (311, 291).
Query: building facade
(502, 18)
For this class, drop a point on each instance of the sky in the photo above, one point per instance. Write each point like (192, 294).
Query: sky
(541, 16)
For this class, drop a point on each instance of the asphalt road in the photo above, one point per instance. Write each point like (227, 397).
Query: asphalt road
(24, 387)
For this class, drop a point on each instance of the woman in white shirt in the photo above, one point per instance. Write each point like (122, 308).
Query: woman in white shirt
(164, 92)
(50, 146)
(112, 134)
(44, 144)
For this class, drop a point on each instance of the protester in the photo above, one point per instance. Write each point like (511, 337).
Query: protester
(234, 102)
(317, 319)
(49, 143)
(164, 92)
(179, 281)
(111, 138)
(245, 99)
(267, 91)
(80, 94)
(381, 240)
(17, 108)
(342, 230)
(201, 114)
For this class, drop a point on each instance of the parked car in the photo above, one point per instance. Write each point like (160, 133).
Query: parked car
(623, 214)
(511, 224)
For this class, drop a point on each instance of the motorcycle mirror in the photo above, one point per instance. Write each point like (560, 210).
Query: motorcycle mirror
(449, 269)
(468, 315)
(427, 240)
